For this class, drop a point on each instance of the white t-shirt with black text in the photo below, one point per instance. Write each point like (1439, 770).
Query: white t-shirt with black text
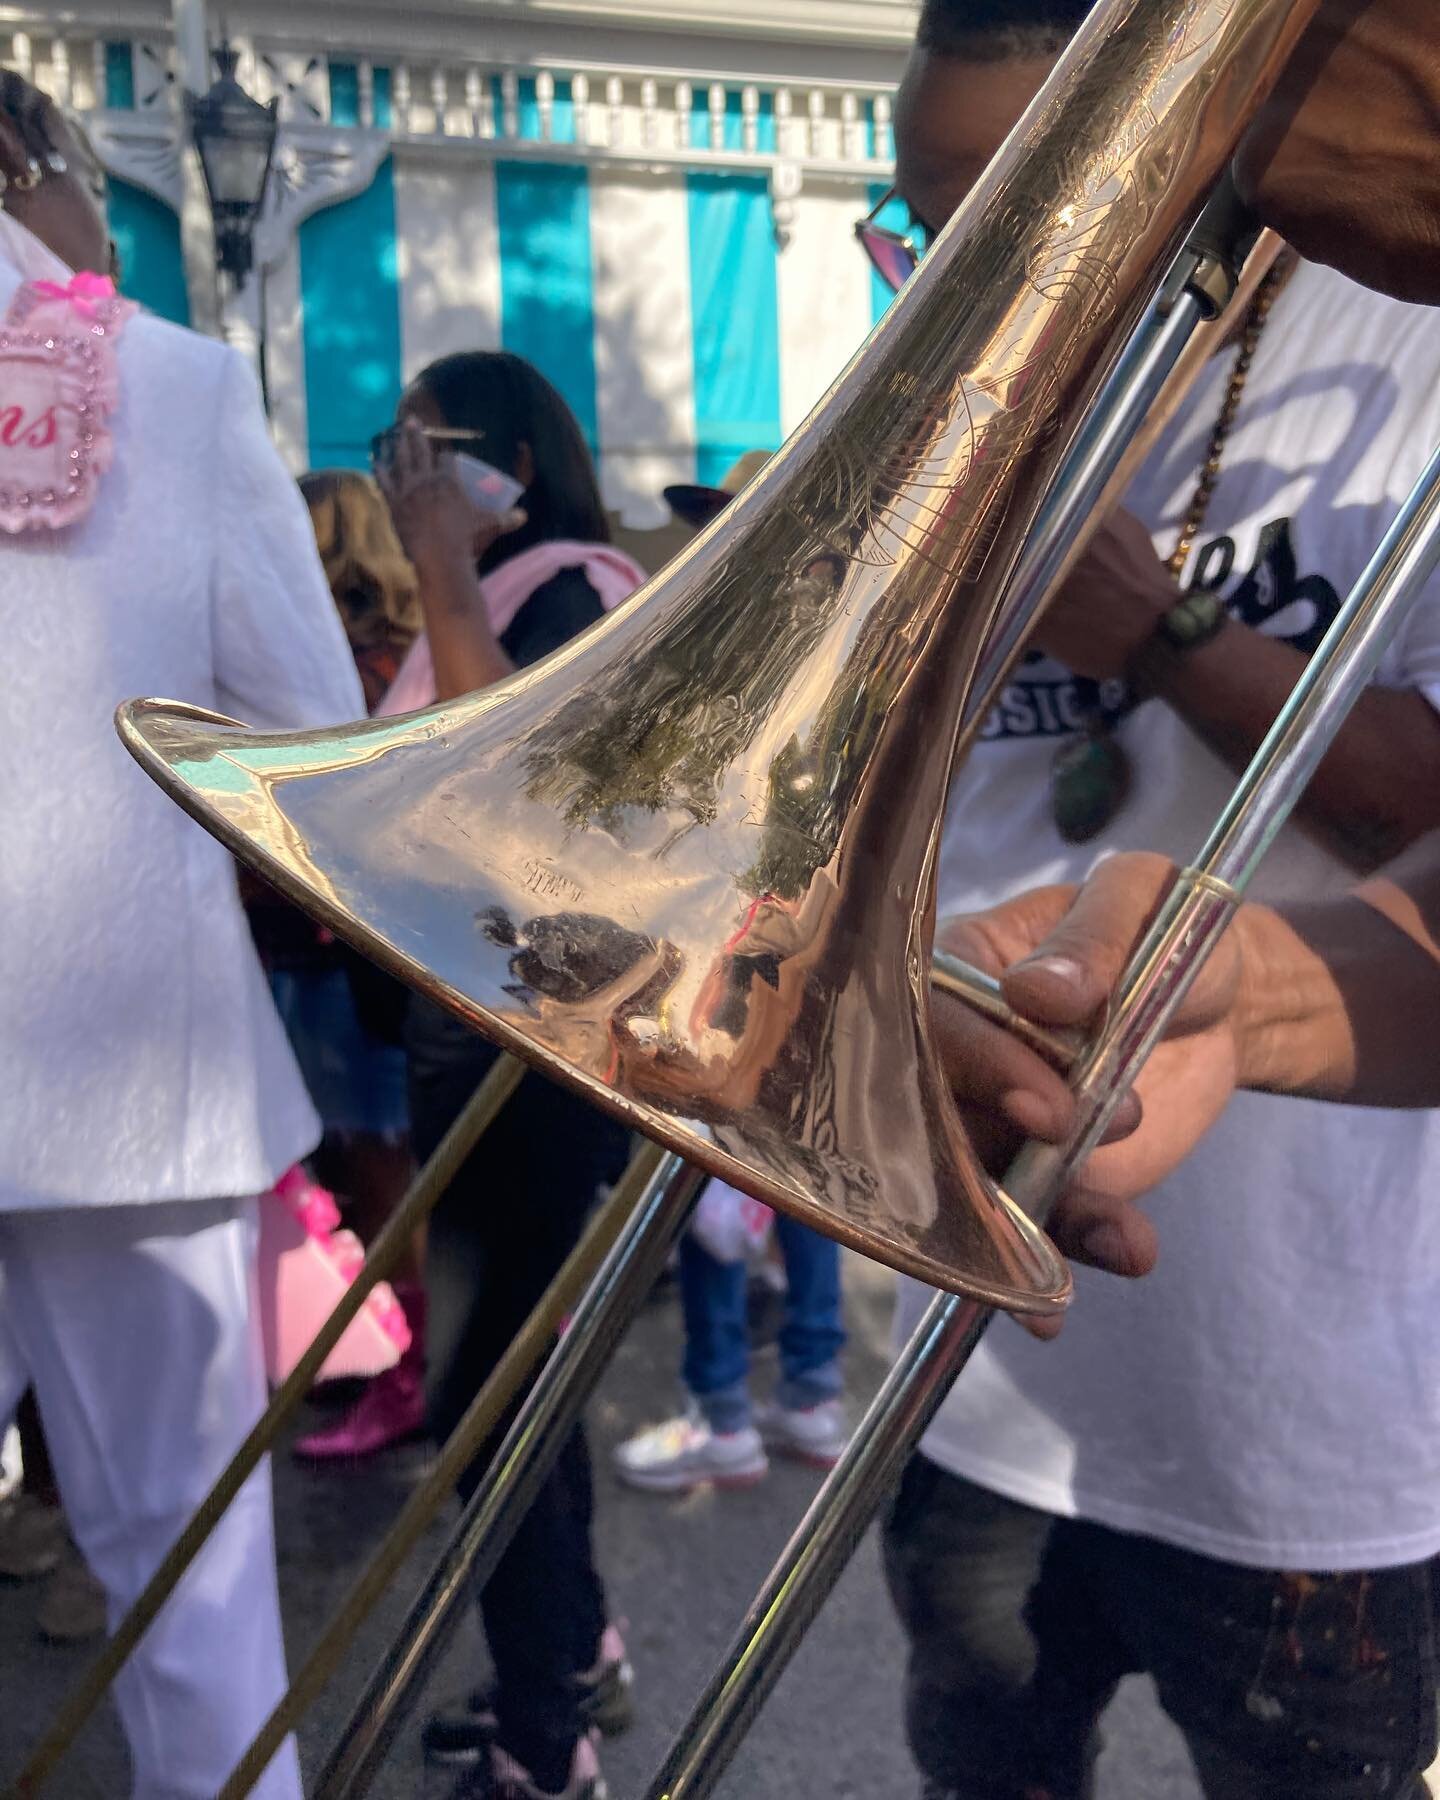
(1271, 1394)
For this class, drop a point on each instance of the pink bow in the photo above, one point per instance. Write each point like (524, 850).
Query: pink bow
(86, 292)
(310, 1205)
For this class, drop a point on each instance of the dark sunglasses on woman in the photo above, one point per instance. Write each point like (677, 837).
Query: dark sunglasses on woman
(382, 445)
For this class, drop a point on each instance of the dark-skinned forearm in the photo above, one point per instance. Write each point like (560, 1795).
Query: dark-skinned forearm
(465, 651)
(1340, 1000)
(1378, 788)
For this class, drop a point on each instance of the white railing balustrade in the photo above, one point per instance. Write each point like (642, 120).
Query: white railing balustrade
(545, 111)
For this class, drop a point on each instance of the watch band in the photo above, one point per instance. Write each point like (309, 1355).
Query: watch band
(1193, 621)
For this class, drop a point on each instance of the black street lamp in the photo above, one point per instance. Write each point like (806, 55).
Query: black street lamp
(235, 136)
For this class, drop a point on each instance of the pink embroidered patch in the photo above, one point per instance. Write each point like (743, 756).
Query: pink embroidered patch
(58, 386)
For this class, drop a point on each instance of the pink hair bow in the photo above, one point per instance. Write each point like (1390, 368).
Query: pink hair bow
(86, 292)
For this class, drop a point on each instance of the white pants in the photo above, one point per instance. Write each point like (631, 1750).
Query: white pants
(135, 1326)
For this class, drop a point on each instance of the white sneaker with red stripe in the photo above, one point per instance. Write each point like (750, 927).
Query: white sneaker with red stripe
(685, 1453)
(814, 1435)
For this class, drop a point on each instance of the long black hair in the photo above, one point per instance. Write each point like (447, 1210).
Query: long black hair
(510, 403)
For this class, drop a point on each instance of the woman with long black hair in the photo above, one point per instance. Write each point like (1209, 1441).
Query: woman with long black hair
(493, 604)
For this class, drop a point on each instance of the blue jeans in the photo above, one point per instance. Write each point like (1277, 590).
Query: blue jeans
(717, 1344)
(355, 1080)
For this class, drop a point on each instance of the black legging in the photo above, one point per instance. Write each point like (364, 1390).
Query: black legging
(508, 1221)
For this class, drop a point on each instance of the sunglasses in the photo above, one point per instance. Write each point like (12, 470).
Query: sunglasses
(894, 255)
(382, 445)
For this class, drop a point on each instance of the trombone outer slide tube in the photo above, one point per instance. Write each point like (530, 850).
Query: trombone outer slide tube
(516, 1472)
(822, 1544)
(484, 1413)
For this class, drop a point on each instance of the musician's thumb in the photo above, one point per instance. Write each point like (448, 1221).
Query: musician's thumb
(1068, 977)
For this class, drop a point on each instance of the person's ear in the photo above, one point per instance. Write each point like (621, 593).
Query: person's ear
(524, 464)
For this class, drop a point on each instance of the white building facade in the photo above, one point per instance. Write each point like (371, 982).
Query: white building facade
(653, 202)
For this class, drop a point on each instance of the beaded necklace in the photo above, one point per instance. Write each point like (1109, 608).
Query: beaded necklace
(1090, 776)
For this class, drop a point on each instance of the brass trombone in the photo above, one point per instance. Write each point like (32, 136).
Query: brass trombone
(686, 865)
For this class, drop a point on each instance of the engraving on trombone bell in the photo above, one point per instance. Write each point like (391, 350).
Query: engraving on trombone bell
(545, 881)
(893, 501)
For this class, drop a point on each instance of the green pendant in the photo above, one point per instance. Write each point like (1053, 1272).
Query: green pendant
(1089, 783)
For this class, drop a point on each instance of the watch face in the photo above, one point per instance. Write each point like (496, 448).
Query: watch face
(1194, 619)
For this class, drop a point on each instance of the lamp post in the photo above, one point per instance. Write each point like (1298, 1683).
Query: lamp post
(235, 137)
(235, 141)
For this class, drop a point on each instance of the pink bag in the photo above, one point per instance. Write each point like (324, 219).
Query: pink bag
(306, 1264)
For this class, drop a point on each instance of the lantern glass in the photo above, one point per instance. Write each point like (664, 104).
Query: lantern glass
(235, 137)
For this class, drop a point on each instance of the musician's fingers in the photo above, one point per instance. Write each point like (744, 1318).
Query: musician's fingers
(1112, 1235)
(985, 1070)
(990, 1069)
(1041, 1325)
(1002, 935)
(1066, 977)
(1109, 1234)
(992, 1072)
(1126, 1119)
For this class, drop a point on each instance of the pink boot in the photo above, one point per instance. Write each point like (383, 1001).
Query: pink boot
(392, 1408)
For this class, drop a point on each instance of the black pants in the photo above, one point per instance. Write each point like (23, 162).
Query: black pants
(1287, 1686)
(508, 1221)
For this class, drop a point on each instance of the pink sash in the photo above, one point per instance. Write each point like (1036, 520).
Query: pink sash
(613, 575)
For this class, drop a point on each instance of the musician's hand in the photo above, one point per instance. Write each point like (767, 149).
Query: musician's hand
(1059, 952)
(1110, 604)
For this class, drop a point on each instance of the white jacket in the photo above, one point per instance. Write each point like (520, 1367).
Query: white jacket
(140, 1056)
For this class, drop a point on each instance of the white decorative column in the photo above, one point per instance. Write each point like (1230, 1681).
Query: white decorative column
(315, 166)
(197, 228)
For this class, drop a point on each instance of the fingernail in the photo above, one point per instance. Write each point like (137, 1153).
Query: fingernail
(1059, 968)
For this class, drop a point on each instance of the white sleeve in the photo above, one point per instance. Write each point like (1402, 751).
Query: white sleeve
(281, 657)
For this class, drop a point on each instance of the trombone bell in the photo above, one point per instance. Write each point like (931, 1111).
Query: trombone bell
(686, 864)
(687, 959)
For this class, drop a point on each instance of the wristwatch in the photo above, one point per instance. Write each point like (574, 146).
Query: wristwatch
(1193, 621)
